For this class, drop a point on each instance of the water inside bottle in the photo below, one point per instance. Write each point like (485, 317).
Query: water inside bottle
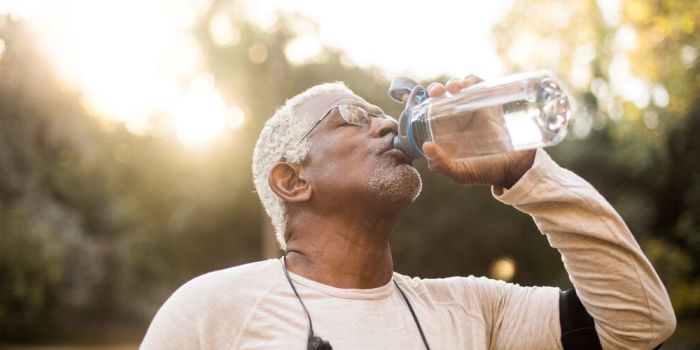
(482, 123)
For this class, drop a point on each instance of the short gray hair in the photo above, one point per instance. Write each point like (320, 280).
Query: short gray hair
(278, 141)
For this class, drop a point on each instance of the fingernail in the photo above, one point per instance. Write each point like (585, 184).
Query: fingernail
(471, 78)
(429, 152)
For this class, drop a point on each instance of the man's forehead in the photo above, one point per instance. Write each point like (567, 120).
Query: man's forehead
(316, 106)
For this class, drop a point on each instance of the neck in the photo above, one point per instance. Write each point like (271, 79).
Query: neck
(344, 251)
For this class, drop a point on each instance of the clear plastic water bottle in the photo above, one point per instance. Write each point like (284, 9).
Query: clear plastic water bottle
(517, 112)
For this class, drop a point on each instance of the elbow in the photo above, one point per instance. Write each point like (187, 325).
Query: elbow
(645, 335)
(662, 318)
(664, 326)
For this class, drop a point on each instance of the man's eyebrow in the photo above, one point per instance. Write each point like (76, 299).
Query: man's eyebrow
(371, 108)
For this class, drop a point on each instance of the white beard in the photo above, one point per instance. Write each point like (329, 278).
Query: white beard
(395, 184)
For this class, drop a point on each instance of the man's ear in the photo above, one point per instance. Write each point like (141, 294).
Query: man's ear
(286, 181)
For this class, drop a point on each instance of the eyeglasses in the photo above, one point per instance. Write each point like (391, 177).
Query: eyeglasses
(351, 114)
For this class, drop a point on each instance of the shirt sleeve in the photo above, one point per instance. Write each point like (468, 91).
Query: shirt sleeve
(517, 317)
(199, 315)
(614, 280)
(176, 324)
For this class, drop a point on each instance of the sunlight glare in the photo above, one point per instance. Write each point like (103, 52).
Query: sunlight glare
(302, 49)
(132, 60)
(401, 38)
(202, 114)
(132, 72)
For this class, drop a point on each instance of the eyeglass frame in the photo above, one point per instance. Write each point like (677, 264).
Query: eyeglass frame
(328, 112)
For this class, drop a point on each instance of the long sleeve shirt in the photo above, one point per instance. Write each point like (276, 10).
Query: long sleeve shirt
(252, 306)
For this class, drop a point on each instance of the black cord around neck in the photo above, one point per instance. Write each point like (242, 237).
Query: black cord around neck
(415, 318)
(313, 342)
(308, 315)
(316, 343)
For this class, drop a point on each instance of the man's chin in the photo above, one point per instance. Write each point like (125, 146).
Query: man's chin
(402, 183)
(417, 185)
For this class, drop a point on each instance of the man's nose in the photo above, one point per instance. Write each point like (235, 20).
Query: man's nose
(383, 126)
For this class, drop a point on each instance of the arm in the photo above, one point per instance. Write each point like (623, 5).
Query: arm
(613, 279)
(615, 282)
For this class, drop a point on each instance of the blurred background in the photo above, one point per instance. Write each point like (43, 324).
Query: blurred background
(127, 129)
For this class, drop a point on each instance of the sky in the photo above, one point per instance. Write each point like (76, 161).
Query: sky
(403, 36)
(131, 72)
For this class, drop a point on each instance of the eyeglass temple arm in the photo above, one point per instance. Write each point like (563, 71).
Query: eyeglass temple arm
(316, 124)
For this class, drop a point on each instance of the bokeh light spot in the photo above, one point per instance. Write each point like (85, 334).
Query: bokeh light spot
(222, 30)
(235, 118)
(257, 53)
(503, 269)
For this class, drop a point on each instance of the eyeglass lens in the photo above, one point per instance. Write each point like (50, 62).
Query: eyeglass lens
(354, 115)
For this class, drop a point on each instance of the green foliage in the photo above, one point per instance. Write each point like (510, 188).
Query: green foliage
(32, 266)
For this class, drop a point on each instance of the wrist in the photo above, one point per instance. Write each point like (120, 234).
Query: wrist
(518, 168)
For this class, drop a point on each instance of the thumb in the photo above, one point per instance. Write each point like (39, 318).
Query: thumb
(438, 161)
(465, 172)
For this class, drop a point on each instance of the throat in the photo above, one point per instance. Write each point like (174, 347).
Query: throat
(344, 247)
(342, 268)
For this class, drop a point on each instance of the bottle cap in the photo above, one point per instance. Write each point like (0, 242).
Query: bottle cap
(400, 87)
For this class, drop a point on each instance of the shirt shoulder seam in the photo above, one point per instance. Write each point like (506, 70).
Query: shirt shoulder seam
(249, 316)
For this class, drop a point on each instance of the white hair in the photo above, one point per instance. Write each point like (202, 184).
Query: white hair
(278, 141)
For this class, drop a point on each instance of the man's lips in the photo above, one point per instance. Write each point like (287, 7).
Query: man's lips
(399, 155)
(395, 153)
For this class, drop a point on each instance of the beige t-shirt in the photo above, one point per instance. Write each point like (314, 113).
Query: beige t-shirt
(253, 307)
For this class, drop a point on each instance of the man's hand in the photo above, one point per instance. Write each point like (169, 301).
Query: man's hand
(503, 169)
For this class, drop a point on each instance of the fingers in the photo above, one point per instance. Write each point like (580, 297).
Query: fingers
(436, 90)
(461, 172)
(470, 80)
(438, 162)
(455, 85)
(452, 86)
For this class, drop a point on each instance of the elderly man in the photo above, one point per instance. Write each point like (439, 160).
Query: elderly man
(334, 188)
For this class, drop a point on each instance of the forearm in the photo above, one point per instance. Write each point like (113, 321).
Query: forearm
(613, 278)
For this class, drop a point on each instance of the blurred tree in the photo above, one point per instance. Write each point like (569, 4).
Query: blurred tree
(46, 257)
(97, 223)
